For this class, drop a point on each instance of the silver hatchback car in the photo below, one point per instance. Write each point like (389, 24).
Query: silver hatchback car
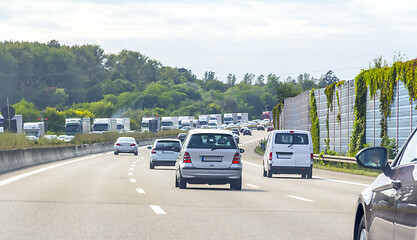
(209, 156)
(164, 152)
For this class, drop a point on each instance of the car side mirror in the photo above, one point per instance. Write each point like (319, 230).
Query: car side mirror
(242, 150)
(374, 158)
(149, 147)
(176, 149)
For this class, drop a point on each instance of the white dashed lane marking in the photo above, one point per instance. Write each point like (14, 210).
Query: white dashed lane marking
(132, 180)
(157, 209)
(130, 174)
(140, 190)
(300, 198)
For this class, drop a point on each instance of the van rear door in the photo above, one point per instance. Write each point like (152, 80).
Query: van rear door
(302, 149)
(283, 150)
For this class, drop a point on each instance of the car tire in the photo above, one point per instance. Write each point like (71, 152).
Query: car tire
(182, 183)
(310, 173)
(236, 184)
(176, 180)
(136, 153)
(151, 166)
(264, 172)
(269, 173)
(362, 235)
(116, 153)
(303, 175)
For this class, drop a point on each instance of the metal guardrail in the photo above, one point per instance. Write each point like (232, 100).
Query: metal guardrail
(340, 159)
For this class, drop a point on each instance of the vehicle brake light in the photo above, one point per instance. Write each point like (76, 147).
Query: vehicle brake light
(118, 144)
(236, 159)
(153, 151)
(270, 156)
(186, 158)
(132, 144)
(311, 156)
(291, 131)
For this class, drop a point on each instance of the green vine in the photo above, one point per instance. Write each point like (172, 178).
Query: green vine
(357, 139)
(315, 126)
(339, 115)
(383, 80)
(276, 112)
(329, 91)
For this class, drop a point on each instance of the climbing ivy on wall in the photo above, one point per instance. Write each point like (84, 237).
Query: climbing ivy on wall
(329, 91)
(383, 80)
(276, 112)
(315, 126)
(339, 115)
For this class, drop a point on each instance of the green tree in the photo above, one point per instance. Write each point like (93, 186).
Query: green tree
(28, 110)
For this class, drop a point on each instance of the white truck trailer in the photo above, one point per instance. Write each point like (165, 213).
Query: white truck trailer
(242, 117)
(151, 124)
(169, 123)
(230, 118)
(35, 129)
(217, 117)
(77, 126)
(123, 124)
(18, 119)
(101, 125)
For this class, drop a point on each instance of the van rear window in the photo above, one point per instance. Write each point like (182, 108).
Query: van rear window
(291, 138)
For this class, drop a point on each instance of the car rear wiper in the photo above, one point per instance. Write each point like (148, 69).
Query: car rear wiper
(215, 147)
(291, 144)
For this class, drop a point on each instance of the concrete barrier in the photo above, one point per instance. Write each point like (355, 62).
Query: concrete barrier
(21, 158)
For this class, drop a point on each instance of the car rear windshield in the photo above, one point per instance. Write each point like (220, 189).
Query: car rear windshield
(291, 138)
(212, 140)
(166, 145)
(126, 140)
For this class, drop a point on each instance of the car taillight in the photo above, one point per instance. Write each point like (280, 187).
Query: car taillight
(132, 144)
(118, 144)
(186, 158)
(311, 156)
(270, 156)
(153, 151)
(236, 159)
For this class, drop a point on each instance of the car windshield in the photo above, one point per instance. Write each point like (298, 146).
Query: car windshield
(101, 127)
(211, 140)
(126, 139)
(166, 145)
(291, 138)
(73, 128)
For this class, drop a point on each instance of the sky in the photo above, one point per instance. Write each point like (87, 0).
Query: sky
(283, 37)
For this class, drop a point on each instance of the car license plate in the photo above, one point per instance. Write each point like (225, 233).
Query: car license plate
(167, 152)
(211, 158)
(284, 156)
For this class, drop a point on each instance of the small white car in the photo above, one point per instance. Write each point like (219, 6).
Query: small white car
(164, 152)
(288, 152)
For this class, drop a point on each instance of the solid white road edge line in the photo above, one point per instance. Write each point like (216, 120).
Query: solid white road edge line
(18, 177)
(132, 180)
(250, 185)
(318, 177)
(300, 198)
(157, 209)
(140, 190)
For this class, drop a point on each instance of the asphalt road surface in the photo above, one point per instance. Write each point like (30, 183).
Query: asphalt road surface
(103, 196)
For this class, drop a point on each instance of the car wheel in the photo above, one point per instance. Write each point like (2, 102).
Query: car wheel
(303, 175)
(361, 230)
(310, 173)
(116, 153)
(269, 173)
(182, 183)
(236, 184)
(264, 174)
(151, 166)
(136, 153)
(176, 180)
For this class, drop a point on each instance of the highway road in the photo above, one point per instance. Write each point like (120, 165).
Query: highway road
(103, 196)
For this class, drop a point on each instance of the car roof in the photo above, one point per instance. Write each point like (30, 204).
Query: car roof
(290, 131)
(200, 131)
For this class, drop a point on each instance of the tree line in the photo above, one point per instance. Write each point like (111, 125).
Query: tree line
(55, 81)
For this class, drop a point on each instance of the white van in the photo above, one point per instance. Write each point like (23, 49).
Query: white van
(290, 152)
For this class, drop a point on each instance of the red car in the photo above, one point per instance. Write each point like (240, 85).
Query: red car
(270, 128)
